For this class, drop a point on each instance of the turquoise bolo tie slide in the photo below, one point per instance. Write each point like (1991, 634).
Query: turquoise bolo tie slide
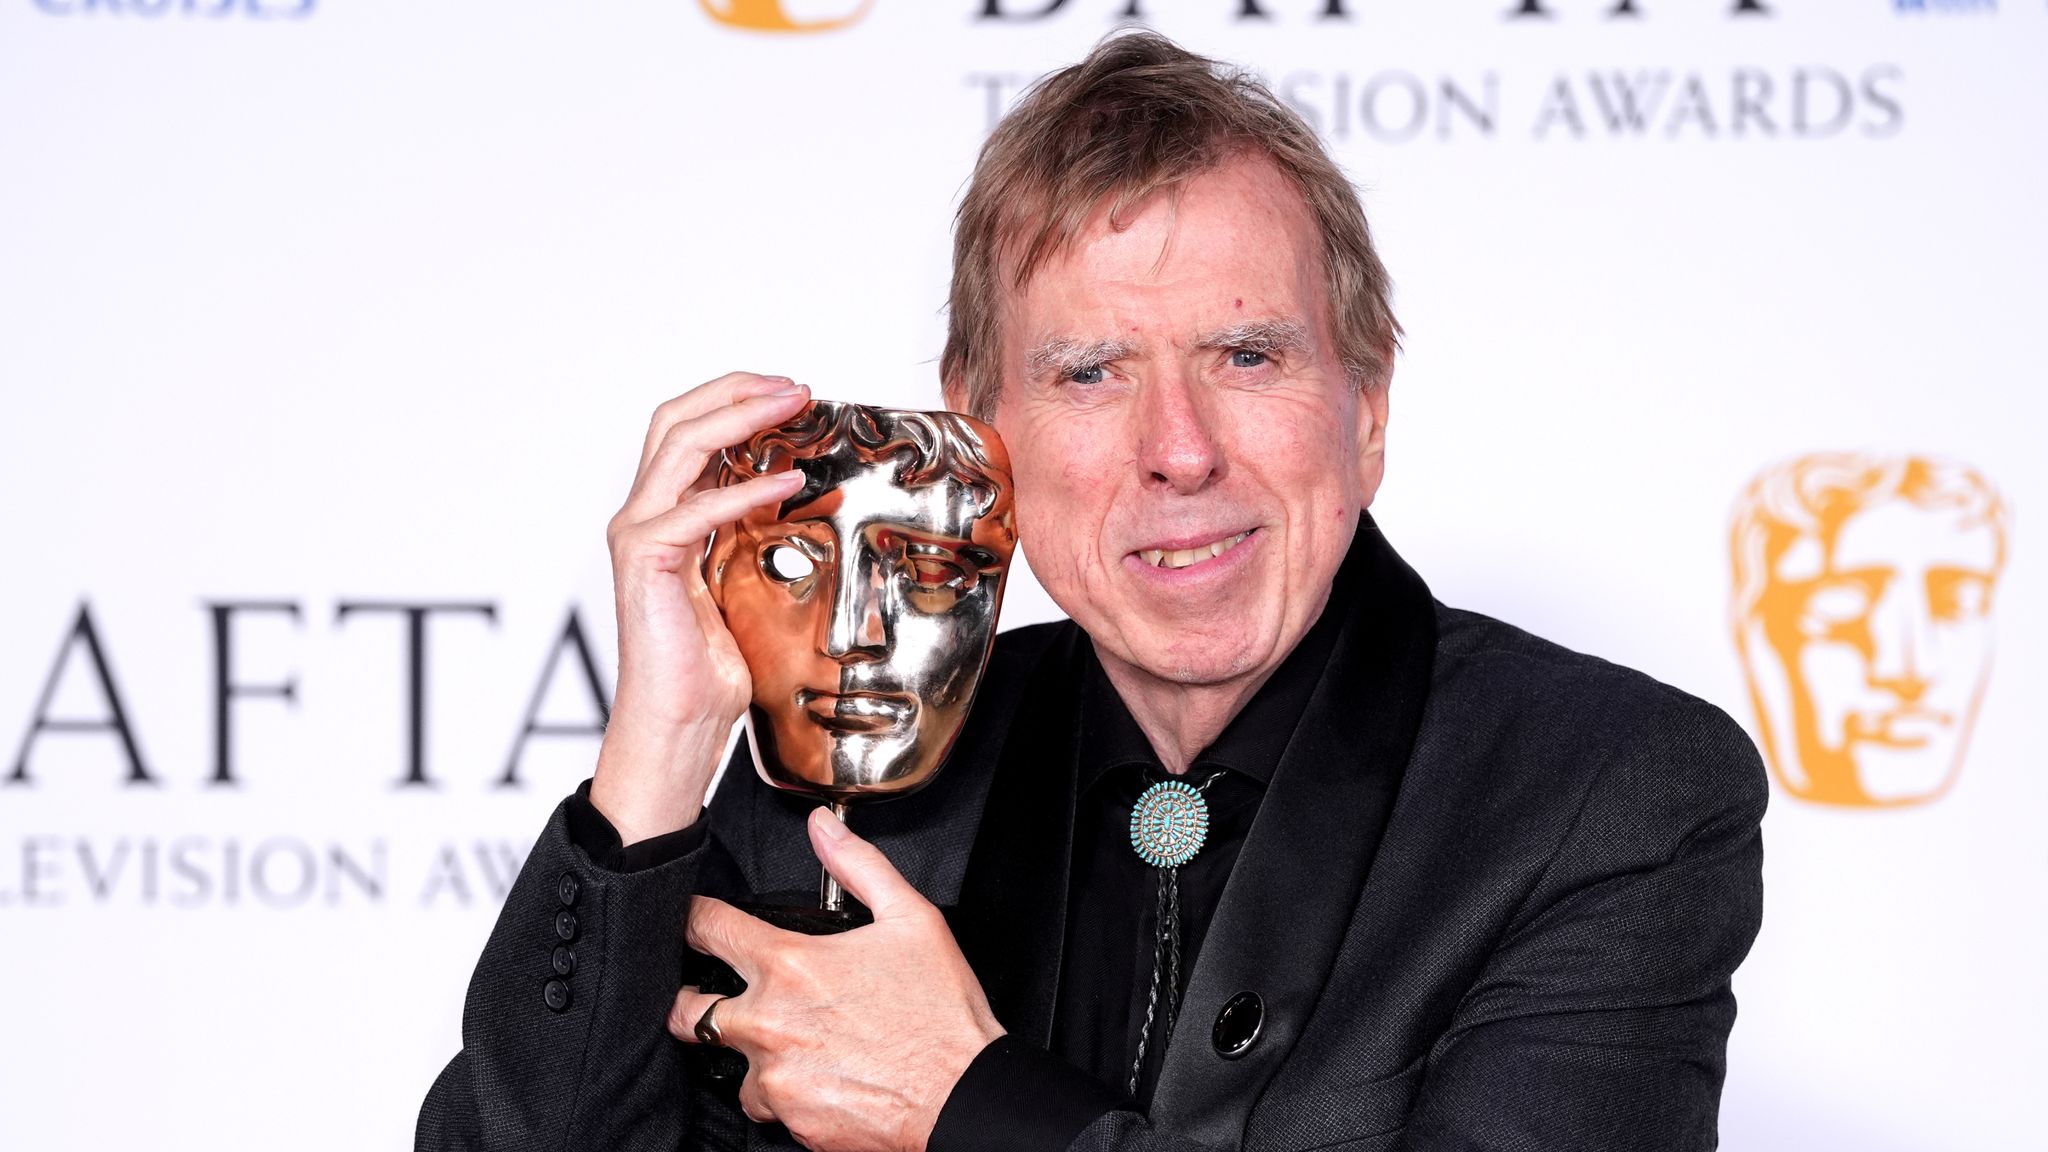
(1169, 823)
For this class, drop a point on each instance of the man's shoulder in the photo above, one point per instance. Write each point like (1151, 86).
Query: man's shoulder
(1480, 656)
(1499, 687)
(1554, 772)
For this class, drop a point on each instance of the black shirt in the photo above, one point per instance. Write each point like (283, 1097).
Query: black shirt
(1015, 1096)
(1112, 918)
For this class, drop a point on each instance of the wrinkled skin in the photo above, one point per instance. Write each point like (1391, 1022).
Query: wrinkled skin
(1157, 430)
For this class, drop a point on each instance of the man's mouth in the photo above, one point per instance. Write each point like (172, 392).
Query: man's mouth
(1184, 557)
(856, 711)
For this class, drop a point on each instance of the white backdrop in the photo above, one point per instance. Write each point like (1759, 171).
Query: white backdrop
(306, 303)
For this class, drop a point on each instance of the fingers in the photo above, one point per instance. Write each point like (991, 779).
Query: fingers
(689, 1009)
(679, 459)
(716, 928)
(727, 389)
(695, 519)
(754, 1102)
(862, 869)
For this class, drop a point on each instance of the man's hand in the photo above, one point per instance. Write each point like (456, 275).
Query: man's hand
(853, 1041)
(682, 683)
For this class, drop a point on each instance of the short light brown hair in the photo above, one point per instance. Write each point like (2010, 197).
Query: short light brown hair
(1139, 117)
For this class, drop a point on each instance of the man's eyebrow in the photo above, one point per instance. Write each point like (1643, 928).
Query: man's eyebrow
(1268, 336)
(1065, 355)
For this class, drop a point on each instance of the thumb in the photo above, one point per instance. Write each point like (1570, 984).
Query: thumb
(860, 867)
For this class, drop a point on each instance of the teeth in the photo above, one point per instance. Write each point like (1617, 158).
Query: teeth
(1182, 557)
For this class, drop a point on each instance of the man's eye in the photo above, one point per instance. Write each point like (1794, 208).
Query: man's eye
(787, 564)
(1246, 358)
(1092, 374)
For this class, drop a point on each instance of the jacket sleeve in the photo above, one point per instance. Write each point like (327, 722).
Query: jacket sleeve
(1600, 1020)
(564, 1037)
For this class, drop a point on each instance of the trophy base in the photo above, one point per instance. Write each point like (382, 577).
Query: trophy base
(786, 910)
(782, 910)
(722, 1066)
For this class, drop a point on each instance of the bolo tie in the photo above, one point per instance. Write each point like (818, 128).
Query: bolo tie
(1169, 824)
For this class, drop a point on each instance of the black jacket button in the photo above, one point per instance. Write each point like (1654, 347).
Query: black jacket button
(566, 889)
(556, 994)
(565, 926)
(564, 960)
(1237, 1026)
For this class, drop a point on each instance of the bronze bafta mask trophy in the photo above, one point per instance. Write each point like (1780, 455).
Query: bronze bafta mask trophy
(865, 605)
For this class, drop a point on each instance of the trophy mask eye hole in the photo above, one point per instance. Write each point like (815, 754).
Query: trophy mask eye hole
(936, 577)
(932, 569)
(787, 564)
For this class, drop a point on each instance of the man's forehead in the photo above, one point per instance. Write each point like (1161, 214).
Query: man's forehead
(1246, 184)
(1242, 220)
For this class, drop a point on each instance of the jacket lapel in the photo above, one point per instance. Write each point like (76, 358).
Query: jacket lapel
(1012, 916)
(1291, 895)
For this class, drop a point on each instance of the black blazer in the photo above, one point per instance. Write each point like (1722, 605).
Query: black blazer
(1492, 900)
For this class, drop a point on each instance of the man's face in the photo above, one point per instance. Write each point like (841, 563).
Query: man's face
(865, 615)
(1884, 635)
(1190, 458)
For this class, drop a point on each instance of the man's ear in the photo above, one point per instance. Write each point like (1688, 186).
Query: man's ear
(954, 391)
(1372, 431)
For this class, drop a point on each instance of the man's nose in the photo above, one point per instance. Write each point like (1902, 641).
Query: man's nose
(1177, 443)
(858, 629)
(1899, 639)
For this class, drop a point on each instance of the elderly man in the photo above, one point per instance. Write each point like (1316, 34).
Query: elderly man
(1461, 888)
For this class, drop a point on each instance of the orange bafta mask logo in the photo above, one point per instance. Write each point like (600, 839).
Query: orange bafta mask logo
(1862, 608)
(787, 15)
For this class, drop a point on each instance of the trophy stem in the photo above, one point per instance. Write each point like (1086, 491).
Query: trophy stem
(831, 897)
